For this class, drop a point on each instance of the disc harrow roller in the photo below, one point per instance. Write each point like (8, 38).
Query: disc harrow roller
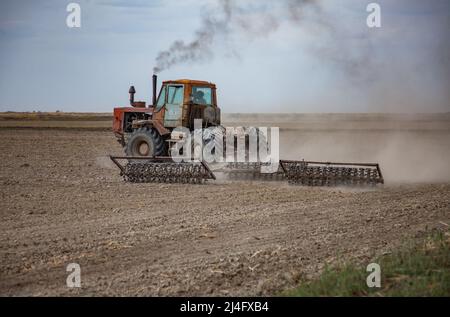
(162, 170)
(331, 174)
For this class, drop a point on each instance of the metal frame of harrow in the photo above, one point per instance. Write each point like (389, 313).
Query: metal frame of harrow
(285, 171)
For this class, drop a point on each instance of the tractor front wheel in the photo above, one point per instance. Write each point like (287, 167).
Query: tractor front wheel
(145, 142)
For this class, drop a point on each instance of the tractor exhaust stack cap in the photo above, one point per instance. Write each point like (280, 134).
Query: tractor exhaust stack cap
(132, 91)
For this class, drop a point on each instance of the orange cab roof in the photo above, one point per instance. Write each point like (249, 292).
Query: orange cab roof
(189, 81)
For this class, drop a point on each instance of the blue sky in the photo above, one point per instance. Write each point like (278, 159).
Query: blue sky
(330, 61)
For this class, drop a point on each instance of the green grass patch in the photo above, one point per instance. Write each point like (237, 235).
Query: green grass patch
(417, 269)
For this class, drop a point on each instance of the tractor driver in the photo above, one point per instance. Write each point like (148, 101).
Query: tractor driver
(198, 97)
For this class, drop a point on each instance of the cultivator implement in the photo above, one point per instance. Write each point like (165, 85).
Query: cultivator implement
(141, 169)
(310, 173)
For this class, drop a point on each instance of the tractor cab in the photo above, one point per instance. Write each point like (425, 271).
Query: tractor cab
(181, 101)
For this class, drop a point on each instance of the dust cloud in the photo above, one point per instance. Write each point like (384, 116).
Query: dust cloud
(412, 152)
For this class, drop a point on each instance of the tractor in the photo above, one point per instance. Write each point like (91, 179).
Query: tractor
(147, 131)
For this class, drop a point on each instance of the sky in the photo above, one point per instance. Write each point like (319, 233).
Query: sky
(264, 56)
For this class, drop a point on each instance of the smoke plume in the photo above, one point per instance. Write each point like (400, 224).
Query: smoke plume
(227, 19)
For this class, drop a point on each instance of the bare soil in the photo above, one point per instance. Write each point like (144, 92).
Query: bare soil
(62, 201)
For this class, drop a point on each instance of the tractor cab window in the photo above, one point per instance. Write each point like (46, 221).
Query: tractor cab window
(202, 95)
(175, 95)
(162, 99)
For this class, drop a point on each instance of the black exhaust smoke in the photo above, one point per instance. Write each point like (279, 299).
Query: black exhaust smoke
(155, 78)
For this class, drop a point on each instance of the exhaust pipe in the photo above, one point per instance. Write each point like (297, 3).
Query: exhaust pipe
(132, 91)
(155, 78)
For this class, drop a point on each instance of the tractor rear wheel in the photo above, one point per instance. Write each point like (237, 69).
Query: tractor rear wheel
(145, 142)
